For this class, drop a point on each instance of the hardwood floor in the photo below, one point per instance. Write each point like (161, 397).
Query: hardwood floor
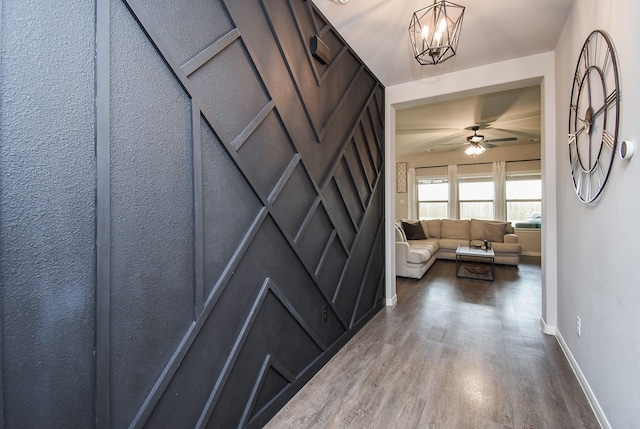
(453, 353)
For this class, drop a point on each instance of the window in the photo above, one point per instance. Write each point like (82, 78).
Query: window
(433, 193)
(524, 191)
(475, 191)
(433, 198)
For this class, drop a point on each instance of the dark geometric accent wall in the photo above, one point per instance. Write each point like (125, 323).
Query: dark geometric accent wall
(238, 212)
(246, 237)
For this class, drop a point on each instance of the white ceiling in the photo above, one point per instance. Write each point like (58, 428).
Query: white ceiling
(492, 31)
(511, 117)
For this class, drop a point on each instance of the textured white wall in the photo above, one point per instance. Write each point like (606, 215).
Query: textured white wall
(599, 245)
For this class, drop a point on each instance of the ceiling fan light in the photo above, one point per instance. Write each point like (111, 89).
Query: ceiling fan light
(475, 149)
(475, 138)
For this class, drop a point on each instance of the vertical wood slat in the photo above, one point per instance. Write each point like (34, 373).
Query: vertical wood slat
(103, 216)
(196, 133)
(1, 330)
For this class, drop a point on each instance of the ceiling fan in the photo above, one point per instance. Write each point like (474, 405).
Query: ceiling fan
(478, 145)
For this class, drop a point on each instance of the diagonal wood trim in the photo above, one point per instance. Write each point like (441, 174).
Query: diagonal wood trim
(367, 269)
(268, 285)
(307, 219)
(341, 103)
(196, 132)
(211, 51)
(292, 74)
(103, 215)
(325, 252)
(187, 340)
(341, 149)
(269, 363)
(358, 235)
(252, 126)
(233, 356)
(343, 198)
(296, 315)
(286, 175)
(334, 64)
(257, 386)
(363, 204)
(377, 137)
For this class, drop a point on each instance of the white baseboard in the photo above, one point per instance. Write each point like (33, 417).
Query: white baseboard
(602, 419)
(548, 329)
(392, 301)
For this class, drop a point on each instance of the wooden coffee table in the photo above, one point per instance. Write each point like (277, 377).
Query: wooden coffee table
(477, 264)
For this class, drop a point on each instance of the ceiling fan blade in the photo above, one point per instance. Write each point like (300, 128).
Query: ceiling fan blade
(504, 139)
(458, 147)
(487, 145)
(422, 130)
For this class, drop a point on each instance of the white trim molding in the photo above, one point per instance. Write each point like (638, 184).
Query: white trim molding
(591, 397)
(392, 301)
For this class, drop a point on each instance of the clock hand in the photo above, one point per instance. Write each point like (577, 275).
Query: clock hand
(611, 99)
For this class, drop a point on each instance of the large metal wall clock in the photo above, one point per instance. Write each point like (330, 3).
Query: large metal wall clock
(594, 116)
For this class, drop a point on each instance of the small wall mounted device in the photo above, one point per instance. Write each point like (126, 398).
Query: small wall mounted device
(626, 149)
(320, 50)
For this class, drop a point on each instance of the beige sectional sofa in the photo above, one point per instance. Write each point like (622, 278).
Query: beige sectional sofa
(440, 238)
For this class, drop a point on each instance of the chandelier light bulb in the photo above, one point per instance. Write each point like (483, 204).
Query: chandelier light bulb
(425, 32)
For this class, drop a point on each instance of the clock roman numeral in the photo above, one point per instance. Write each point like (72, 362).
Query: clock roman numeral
(608, 139)
(578, 79)
(607, 63)
(611, 98)
(579, 184)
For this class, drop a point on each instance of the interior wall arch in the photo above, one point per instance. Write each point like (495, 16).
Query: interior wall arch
(517, 73)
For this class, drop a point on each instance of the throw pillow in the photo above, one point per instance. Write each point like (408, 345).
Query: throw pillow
(494, 232)
(456, 228)
(433, 227)
(413, 231)
(477, 229)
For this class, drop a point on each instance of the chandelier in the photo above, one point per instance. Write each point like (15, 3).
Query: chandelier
(434, 32)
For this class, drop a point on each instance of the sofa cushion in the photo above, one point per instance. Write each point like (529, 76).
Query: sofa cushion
(509, 229)
(477, 229)
(454, 228)
(494, 232)
(451, 244)
(400, 233)
(425, 228)
(430, 244)
(433, 227)
(511, 248)
(418, 256)
(413, 231)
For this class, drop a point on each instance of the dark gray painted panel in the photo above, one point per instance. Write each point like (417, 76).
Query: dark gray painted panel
(47, 214)
(357, 172)
(352, 281)
(266, 154)
(294, 201)
(348, 192)
(332, 267)
(152, 249)
(221, 249)
(187, 28)
(238, 100)
(316, 237)
(339, 213)
(229, 207)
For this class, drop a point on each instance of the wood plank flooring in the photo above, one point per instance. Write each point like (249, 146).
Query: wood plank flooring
(453, 353)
